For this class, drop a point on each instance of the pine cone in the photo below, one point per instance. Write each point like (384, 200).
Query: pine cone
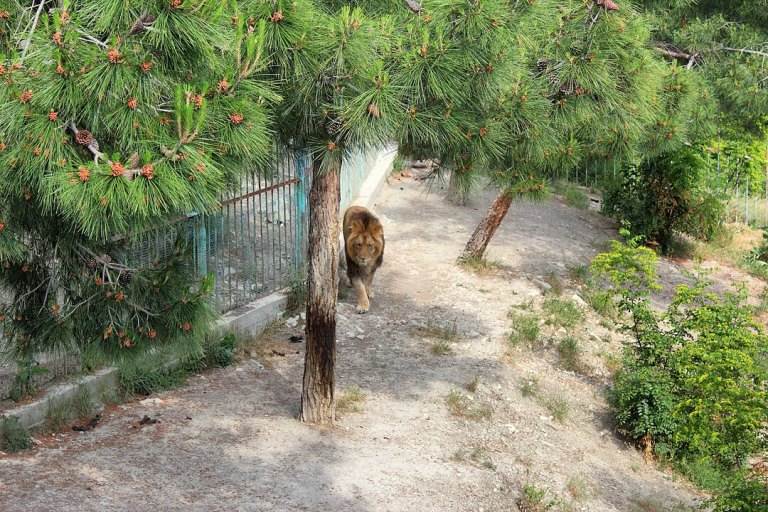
(90, 263)
(542, 65)
(84, 137)
(332, 125)
(609, 5)
(415, 7)
(125, 277)
(373, 109)
(142, 23)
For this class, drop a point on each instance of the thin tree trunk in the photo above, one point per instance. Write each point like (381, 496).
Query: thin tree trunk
(318, 403)
(477, 244)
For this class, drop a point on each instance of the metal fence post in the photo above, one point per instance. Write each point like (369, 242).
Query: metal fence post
(300, 163)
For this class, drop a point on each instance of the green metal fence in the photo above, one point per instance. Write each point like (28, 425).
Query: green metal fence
(258, 240)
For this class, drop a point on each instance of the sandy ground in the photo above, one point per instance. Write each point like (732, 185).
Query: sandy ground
(230, 439)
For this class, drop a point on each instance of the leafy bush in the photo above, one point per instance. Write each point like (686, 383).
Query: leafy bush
(742, 494)
(667, 194)
(694, 383)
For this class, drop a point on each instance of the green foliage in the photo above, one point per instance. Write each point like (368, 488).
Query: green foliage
(149, 373)
(535, 499)
(525, 328)
(574, 196)
(562, 312)
(742, 494)
(663, 195)
(694, 382)
(570, 355)
(114, 121)
(15, 437)
(645, 402)
(24, 381)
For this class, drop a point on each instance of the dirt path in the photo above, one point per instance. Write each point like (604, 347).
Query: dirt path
(230, 441)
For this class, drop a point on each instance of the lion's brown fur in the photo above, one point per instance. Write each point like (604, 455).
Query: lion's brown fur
(364, 251)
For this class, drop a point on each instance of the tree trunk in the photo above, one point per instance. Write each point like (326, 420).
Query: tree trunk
(476, 246)
(318, 403)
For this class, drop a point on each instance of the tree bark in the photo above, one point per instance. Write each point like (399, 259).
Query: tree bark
(477, 244)
(318, 402)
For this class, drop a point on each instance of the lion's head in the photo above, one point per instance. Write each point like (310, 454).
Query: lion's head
(363, 237)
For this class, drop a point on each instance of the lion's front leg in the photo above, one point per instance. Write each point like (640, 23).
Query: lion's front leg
(369, 285)
(362, 295)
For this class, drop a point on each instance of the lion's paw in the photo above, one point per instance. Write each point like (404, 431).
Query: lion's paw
(362, 309)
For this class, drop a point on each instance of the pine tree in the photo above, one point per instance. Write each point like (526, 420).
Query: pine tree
(725, 44)
(588, 91)
(351, 80)
(116, 117)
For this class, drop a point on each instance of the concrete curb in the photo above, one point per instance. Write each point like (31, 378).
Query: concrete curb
(251, 318)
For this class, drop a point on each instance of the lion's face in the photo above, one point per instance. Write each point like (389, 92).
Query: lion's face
(364, 237)
(364, 249)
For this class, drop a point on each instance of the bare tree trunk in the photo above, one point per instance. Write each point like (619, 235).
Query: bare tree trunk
(477, 244)
(318, 403)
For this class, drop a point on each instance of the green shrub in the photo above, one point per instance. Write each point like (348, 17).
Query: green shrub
(743, 494)
(15, 437)
(24, 381)
(644, 403)
(694, 382)
(525, 329)
(664, 195)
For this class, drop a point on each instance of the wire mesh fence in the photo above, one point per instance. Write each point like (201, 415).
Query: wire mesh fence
(257, 241)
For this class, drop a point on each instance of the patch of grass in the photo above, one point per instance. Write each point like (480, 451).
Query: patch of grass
(439, 331)
(569, 355)
(57, 417)
(580, 273)
(477, 455)
(441, 348)
(579, 488)
(350, 400)
(297, 291)
(529, 386)
(535, 499)
(525, 329)
(613, 362)
(15, 437)
(576, 197)
(82, 403)
(557, 407)
(460, 405)
(562, 312)
(553, 280)
(473, 384)
(648, 504)
(475, 264)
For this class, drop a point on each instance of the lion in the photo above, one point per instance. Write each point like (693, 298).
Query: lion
(364, 251)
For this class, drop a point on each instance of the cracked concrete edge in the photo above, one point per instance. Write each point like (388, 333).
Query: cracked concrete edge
(250, 319)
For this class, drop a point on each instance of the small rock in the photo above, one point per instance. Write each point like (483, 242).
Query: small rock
(579, 301)
(303, 315)
(360, 336)
(541, 284)
(151, 401)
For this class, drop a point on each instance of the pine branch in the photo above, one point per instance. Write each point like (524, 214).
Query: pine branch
(745, 50)
(670, 50)
(91, 39)
(135, 170)
(28, 40)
